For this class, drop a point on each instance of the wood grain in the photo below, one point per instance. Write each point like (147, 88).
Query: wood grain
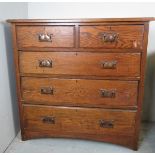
(79, 120)
(76, 63)
(78, 92)
(126, 141)
(83, 20)
(62, 36)
(78, 50)
(17, 74)
(130, 36)
(141, 87)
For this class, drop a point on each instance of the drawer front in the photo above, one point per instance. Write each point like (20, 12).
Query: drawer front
(45, 36)
(112, 37)
(81, 63)
(92, 93)
(79, 120)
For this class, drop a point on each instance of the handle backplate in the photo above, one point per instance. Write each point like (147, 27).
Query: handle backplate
(45, 63)
(110, 37)
(106, 123)
(45, 37)
(48, 119)
(107, 93)
(109, 64)
(46, 90)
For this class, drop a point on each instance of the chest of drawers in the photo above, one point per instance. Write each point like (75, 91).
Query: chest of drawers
(81, 78)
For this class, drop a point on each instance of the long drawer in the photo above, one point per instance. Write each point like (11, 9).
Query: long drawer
(45, 36)
(79, 92)
(81, 63)
(112, 36)
(79, 120)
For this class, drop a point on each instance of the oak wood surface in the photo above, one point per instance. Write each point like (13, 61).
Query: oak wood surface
(129, 36)
(126, 141)
(91, 20)
(28, 36)
(80, 67)
(79, 120)
(91, 77)
(74, 63)
(141, 87)
(78, 92)
(17, 74)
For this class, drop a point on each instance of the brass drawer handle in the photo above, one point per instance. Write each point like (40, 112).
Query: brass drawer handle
(110, 37)
(46, 90)
(106, 123)
(45, 37)
(45, 63)
(108, 93)
(48, 120)
(109, 64)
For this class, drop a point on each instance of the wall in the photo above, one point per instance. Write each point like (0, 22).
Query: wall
(105, 10)
(9, 123)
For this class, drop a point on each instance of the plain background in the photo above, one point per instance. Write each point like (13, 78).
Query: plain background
(9, 119)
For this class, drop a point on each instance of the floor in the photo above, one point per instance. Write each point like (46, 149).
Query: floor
(55, 145)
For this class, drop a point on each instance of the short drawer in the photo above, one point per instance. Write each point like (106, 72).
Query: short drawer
(79, 120)
(45, 36)
(79, 92)
(112, 37)
(81, 63)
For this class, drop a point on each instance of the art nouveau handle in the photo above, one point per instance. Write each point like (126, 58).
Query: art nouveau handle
(107, 93)
(46, 90)
(45, 37)
(110, 37)
(109, 64)
(106, 123)
(45, 63)
(48, 120)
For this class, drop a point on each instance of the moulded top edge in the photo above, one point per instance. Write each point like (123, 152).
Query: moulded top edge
(89, 20)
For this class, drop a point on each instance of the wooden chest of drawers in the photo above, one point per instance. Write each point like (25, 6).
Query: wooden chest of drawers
(81, 78)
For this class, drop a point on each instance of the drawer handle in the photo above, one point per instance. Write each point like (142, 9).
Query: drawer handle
(109, 64)
(106, 123)
(45, 63)
(108, 93)
(46, 90)
(45, 37)
(48, 120)
(110, 37)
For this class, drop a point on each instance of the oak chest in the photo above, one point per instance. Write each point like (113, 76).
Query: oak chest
(81, 78)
